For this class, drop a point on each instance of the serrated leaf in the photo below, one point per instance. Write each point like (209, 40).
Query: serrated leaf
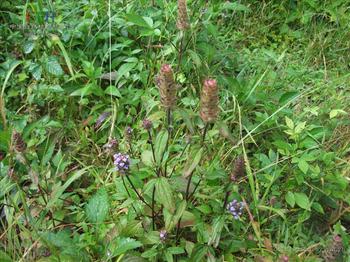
(192, 163)
(164, 194)
(53, 67)
(147, 157)
(302, 200)
(316, 206)
(97, 207)
(290, 199)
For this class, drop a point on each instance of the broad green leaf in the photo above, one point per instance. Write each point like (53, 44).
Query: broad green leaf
(303, 165)
(302, 200)
(123, 245)
(53, 67)
(147, 157)
(28, 47)
(218, 225)
(97, 207)
(124, 69)
(5, 257)
(192, 163)
(112, 90)
(290, 199)
(138, 20)
(160, 145)
(164, 194)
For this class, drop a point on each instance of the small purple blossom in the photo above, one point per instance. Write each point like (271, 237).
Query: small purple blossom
(235, 208)
(163, 235)
(121, 162)
(128, 130)
(147, 124)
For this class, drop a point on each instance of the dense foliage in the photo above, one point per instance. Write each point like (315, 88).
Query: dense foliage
(148, 131)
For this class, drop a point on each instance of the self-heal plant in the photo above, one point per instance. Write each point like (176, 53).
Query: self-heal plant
(121, 162)
(235, 208)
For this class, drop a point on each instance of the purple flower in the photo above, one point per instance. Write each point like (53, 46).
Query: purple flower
(235, 208)
(147, 124)
(163, 235)
(121, 162)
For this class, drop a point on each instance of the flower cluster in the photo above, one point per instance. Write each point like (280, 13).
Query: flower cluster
(167, 86)
(209, 108)
(128, 133)
(121, 162)
(235, 208)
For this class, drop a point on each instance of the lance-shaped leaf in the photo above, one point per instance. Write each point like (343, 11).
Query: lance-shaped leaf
(192, 163)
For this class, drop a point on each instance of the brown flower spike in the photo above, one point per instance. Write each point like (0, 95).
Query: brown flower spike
(17, 142)
(209, 101)
(182, 17)
(238, 169)
(167, 86)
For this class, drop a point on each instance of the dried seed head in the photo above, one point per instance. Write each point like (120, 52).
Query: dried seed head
(182, 17)
(147, 124)
(209, 101)
(238, 169)
(167, 86)
(17, 142)
(333, 250)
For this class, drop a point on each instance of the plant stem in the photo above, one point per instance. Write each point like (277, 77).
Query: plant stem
(127, 191)
(137, 193)
(152, 146)
(226, 198)
(205, 132)
(153, 202)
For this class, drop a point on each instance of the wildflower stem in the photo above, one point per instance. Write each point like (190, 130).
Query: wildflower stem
(152, 146)
(205, 132)
(153, 201)
(127, 191)
(226, 198)
(137, 193)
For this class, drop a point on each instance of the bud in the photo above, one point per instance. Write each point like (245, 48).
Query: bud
(167, 86)
(111, 146)
(182, 17)
(128, 133)
(209, 101)
(238, 169)
(163, 235)
(17, 142)
(147, 124)
(284, 258)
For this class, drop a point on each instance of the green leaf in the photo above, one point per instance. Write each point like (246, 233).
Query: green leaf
(290, 199)
(164, 194)
(316, 206)
(289, 123)
(123, 245)
(147, 157)
(28, 47)
(336, 112)
(53, 67)
(302, 200)
(97, 207)
(160, 145)
(124, 69)
(112, 90)
(303, 165)
(218, 225)
(138, 20)
(5, 257)
(192, 163)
